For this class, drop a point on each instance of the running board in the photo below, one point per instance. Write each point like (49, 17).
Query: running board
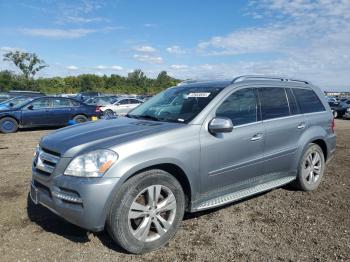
(228, 198)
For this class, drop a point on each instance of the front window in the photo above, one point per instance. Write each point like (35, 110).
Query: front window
(177, 104)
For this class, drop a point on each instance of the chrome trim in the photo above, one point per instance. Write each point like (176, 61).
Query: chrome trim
(43, 157)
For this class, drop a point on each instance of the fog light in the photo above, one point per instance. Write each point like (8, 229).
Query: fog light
(66, 197)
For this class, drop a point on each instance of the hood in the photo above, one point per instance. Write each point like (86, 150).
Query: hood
(81, 138)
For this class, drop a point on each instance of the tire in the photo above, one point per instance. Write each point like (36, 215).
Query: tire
(8, 125)
(124, 225)
(309, 177)
(80, 119)
(108, 112)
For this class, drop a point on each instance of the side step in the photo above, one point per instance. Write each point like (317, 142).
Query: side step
(228, 198)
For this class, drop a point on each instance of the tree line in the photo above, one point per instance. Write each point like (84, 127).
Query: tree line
(29, 64)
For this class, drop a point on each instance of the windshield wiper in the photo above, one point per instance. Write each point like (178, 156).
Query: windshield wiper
(143, 117)
(147, 117)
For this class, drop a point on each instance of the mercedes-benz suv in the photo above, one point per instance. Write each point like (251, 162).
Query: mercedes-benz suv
(220, 142)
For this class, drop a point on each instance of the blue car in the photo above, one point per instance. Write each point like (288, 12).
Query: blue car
(45, 111)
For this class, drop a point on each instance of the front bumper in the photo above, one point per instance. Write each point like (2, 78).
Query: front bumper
(82, 201)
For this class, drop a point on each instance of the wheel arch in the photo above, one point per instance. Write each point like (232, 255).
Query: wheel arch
(174, 170)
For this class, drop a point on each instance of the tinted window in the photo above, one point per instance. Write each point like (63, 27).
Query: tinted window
(293, 106)
(274, 102)
(61, 102)
(124, 102)
(240, 107)
(308, 100)
(41, 103)
(134, 101)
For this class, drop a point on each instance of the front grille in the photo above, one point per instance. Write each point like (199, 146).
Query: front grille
(45, 162)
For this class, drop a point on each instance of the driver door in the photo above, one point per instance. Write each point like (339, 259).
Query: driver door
(37, 113)
(233, 161)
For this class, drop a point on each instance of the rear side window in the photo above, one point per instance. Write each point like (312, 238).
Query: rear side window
(273, 102)
(61, 102)
(240, 107)
(293, 105)
(308, 101)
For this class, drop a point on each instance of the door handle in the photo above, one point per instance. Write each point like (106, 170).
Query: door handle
(256, 137)
(301, 126)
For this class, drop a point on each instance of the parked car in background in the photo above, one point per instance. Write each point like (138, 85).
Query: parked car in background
(222, 141)
(15, 93)
(340, 108)
(12, 102)
(83, 96)
(4, 97)
(121, 106)
(101, 100)
(45, 111)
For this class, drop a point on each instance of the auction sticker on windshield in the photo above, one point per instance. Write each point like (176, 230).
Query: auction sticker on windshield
(198, 95)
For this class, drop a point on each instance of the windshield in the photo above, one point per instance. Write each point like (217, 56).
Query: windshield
(14, 102)
(177, 104)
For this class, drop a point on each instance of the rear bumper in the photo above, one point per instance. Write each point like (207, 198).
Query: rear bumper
(81, 201)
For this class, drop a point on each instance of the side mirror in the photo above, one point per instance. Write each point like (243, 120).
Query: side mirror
(117, 104)
(11, 104)
(30, 107)
(220, 125)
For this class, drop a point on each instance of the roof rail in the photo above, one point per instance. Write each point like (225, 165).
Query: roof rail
(187, 81)
(261, 77)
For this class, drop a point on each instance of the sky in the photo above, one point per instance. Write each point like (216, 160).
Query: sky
(190, 39)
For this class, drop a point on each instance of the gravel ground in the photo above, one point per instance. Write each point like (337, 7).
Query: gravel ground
(281, 225)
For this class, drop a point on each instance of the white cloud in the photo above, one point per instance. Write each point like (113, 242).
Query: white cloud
(81, 20)
(145, 49)
(178, 67)
(116, 67)
(149, 58)
(149, 25)
(101, 67)
(175, 49)
(308, 39)
(56, 33)
(5, 49)
(72, 67)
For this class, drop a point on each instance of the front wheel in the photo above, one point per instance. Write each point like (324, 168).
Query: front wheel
(8, 125)
(146, 211)
(311, 168)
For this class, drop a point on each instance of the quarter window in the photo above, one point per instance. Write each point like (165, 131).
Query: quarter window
(308, 101)
(274, 102)
(240, 107)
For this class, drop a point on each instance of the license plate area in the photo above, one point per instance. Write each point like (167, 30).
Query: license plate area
(34, 195)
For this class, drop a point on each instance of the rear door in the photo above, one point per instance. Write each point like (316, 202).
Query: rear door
(283, 126)
(62, 110)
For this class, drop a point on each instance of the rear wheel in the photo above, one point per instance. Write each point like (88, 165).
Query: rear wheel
(108, 112)
(80, 119)
(311, 168)
(8, 125)
(146, 212)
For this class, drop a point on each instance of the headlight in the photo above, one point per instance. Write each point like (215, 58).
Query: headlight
(348, 109)
(93, 164)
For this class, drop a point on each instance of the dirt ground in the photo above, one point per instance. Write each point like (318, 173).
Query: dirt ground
(281, 225)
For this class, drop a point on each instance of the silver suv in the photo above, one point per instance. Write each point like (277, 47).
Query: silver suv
(193, 147)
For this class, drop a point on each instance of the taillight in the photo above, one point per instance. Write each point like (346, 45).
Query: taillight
(333, 125)
(98, 109)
